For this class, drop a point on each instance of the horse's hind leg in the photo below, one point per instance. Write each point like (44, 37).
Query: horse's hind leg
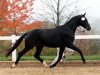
(37, 55)
(58, 58)
(20, 54)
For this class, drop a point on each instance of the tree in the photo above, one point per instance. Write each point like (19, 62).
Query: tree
(14, 16)
(58, 11)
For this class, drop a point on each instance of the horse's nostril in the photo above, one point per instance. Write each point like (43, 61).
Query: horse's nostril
(89, 28)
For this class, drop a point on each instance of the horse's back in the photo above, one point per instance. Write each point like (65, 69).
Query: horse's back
(47, 37)
(32, 36)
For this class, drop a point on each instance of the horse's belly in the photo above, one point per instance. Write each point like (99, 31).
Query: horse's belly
(51, 43)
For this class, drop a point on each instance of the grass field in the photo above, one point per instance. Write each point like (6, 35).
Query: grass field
(69, 58)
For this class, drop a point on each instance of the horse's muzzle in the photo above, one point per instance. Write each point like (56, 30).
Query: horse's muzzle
(89, 28)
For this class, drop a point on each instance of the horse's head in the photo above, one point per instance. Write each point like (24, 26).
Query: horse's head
(84, 22)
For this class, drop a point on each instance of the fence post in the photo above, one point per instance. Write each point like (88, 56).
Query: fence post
(14, 52)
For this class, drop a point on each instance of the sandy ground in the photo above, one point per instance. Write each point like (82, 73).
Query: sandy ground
(35, 68)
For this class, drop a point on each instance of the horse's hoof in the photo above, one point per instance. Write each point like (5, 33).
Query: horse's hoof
(51, 66)
(45, 64)
(84, 62)
(13, 65)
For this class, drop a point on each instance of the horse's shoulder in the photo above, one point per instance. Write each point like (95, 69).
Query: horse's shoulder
(66, 34)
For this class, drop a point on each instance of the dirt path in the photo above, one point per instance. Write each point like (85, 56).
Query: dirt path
(35, 68)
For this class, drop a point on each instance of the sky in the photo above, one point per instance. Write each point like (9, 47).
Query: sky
(92, 9)
(92, 6)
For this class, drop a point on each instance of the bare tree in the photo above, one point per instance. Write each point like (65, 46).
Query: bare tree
(59, 11)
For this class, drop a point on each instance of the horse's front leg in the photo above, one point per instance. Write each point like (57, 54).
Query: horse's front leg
(78, 50)
(58, 57)
(20, 54)
(37, 55)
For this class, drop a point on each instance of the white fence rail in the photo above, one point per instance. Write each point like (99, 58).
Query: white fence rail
(87, 37)
(13, 38)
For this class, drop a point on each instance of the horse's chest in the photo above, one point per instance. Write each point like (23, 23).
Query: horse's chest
(67, 39)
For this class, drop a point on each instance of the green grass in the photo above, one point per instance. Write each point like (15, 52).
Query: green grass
(25, 58)
(87, 57)
(69, 58)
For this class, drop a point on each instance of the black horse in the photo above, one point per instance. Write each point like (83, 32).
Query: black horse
(62, 36)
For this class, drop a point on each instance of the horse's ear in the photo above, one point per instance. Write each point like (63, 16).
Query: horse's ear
(84, 14)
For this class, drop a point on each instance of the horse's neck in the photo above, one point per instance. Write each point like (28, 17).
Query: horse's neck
(72, 25)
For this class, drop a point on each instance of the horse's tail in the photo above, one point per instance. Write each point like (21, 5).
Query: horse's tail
(10, 50)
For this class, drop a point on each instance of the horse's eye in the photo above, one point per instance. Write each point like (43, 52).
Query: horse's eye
(83, 18)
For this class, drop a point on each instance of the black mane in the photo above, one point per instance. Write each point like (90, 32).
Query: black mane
(72, 20)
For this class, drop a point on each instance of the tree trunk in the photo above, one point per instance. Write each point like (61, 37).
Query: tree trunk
(57, 22)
